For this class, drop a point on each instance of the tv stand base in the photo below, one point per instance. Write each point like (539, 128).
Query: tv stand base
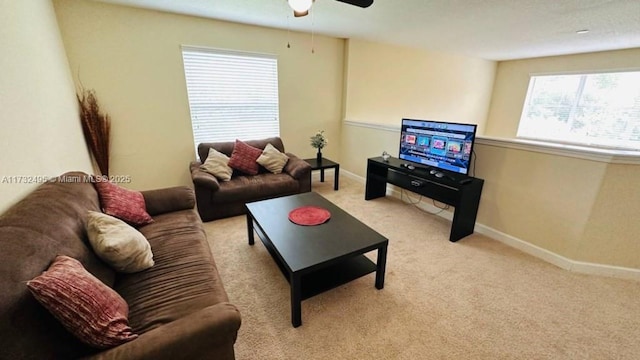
(460, 191)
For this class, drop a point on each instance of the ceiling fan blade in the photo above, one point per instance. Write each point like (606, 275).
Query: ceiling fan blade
(360, 3)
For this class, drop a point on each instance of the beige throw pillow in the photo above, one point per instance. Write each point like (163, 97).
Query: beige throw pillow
(217, 164)
(118, 244)
(272, 159)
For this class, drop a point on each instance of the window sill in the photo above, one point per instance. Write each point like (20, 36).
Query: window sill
(579, 152)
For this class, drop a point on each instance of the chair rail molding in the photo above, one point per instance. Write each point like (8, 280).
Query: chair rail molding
(610, 156)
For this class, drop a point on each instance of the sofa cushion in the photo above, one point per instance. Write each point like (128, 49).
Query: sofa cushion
(160, 201)
(244, 158)
(86, 307)
(217, 164)
(243, 189)
(272, 159)
(122, 203)
(183, 280)
(121, 246)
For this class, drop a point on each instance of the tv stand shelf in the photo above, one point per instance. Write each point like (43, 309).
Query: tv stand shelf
(460, 191)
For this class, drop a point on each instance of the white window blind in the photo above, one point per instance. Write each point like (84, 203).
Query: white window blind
(600, 110)
(232, 95)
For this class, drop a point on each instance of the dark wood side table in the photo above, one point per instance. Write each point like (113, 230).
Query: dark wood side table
(323, 164)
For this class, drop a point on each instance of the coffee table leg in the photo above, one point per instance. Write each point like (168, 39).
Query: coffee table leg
(380, 266)
(321, 175)
(296, 299)
(250, 229)
(336, 178)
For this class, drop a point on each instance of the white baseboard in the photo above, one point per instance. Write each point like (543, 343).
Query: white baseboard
(353, 176)
(559, 260)
(524, 246)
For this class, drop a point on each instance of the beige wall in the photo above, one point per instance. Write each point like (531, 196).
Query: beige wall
(386, 83)
(40, 132)
(132, 58)
(577, 208)
(360, 143)
(542, 199)
(611, 233)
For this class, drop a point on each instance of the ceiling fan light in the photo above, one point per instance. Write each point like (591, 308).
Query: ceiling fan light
(300, 6)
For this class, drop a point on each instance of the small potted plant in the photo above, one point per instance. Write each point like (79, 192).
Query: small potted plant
(319, 141)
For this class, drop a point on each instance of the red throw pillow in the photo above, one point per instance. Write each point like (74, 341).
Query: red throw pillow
(125, 204)
(86, 307)
(243, 158)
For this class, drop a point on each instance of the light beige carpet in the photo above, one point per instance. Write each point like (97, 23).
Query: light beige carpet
(474, 299)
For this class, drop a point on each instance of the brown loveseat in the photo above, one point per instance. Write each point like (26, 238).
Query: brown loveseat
(178, 307)
(219, 199)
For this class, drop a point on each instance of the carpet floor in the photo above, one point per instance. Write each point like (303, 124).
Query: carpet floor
(473, 299)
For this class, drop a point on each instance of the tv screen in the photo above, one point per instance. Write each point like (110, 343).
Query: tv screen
(440, 145)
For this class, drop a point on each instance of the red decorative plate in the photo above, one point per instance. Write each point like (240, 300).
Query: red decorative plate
(309, 215)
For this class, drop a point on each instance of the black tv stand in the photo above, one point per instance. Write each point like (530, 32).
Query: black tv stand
(460, 191)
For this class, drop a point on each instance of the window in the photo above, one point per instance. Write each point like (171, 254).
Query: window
(232, 95)
(601, 110)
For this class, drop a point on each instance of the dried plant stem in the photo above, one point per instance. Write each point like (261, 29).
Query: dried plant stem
(96, 128)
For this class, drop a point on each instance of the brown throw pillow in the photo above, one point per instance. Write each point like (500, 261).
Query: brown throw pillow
(122, 203)
(243, 158)
(86, 307)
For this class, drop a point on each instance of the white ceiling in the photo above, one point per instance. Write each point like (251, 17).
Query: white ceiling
(489, 29)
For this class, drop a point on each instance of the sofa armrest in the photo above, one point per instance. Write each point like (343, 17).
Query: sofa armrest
(203, 178)
(206, 334)
(161, 201)
(297, 167)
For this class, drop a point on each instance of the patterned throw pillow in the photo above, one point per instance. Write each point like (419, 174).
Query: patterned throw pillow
(272, 159)
(217, 164)
(125, 204)
(86, 307)
(118, 244)
(243, 158)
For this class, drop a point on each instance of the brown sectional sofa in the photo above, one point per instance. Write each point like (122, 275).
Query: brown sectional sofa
(219, 199)
(178, 307)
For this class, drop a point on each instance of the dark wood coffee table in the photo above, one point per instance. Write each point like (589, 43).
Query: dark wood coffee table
(315, 259)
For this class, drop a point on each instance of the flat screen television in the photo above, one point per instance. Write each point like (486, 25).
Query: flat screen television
(439, 145)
